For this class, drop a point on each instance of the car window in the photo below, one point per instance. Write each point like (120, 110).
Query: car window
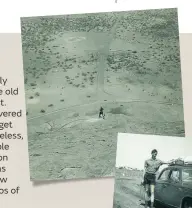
(175, 176)
(164, 175)
(187, 175)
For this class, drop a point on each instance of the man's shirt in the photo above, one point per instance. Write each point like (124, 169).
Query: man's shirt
(152, 165)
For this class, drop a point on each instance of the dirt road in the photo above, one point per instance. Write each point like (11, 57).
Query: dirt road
(129, 193)
(125, 197)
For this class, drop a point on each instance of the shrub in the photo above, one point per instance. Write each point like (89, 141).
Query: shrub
(33, 84)
(84, 74)
(37, 94)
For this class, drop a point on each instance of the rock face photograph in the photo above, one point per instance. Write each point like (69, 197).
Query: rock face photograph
(153, 171)
(88, 77)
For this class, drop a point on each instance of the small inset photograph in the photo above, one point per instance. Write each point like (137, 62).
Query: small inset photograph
(88, 77)
(153, 171)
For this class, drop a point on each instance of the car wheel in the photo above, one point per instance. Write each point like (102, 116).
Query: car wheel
(187, 203)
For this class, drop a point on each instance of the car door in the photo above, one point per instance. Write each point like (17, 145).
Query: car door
(174, 188)
(161, 184)
(187, 182)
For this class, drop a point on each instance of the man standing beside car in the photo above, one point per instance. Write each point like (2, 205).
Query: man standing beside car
(151, 167)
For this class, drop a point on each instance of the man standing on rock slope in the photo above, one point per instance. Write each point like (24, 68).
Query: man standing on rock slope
(151, 167)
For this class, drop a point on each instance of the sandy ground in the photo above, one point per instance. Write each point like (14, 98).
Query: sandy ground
(128, 192)
(127, 62)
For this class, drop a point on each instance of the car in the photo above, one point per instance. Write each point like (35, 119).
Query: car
(174, 186)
